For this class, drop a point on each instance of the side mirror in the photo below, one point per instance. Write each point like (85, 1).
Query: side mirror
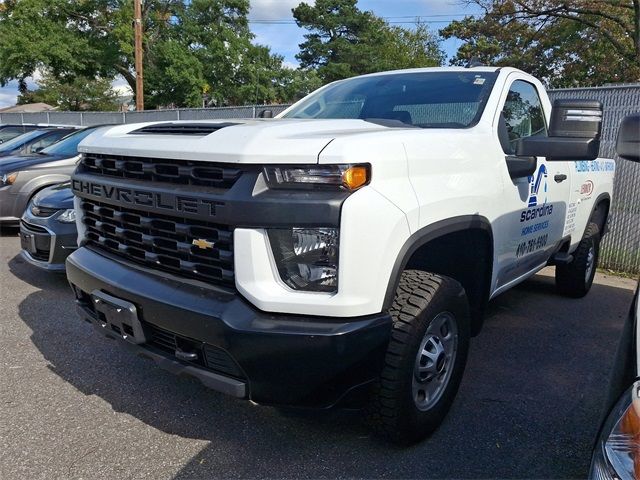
(574, 133)
(37, 149)
(628, 145)
(266, 114)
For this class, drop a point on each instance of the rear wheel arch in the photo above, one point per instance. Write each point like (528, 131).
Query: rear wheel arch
(600, 213)
(460, 248)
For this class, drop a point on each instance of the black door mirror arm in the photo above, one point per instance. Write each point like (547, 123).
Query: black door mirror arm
(521, 166)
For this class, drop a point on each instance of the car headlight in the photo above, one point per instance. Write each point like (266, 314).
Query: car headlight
(307, 258)
(350, 177)
(68, 216)
(8, 179)
(617, 453)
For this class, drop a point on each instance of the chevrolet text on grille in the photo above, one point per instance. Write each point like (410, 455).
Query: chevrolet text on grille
(161, 200)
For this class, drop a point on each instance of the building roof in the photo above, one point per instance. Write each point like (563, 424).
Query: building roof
(28, 108)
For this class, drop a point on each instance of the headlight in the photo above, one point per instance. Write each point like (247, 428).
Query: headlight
(307, 258)
(68, 216)
(8, 179)
(350, 177)
(617, 453)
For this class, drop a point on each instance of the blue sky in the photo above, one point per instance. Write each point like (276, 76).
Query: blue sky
(285, 38)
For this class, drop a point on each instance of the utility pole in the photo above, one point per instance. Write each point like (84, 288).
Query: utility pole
(138, 54)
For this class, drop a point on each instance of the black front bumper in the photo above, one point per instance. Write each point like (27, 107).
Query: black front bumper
(269, 358)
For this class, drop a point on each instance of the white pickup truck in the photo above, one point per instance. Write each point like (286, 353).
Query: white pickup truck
(344, 251)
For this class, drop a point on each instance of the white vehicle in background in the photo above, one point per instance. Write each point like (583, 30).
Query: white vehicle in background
(347, 247)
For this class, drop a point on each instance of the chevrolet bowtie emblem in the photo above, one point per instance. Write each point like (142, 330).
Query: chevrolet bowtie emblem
(202, 243)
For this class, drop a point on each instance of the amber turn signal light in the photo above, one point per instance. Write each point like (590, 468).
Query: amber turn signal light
(355, 177)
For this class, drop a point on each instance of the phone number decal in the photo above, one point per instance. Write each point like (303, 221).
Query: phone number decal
(532, 245)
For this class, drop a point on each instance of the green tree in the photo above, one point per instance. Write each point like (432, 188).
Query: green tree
(344, 41)
(411, 48)
(79, 93)
(191, 47)
(565, 42)
(268, 81)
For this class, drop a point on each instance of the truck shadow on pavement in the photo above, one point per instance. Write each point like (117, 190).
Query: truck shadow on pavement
(529, 404)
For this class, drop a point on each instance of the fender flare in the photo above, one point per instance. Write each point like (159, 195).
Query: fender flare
(424, 236)
(599, 199)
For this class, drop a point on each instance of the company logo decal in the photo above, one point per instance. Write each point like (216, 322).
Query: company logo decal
(586, 188)
(535, 182)
(536, 212)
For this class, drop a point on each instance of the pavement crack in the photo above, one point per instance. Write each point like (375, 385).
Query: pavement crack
(80, 458)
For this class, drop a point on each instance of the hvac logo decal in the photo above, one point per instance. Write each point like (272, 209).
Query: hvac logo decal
(534, 183)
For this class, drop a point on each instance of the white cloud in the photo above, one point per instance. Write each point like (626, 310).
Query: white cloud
(8, 97)
(121, 86)
(274, 9)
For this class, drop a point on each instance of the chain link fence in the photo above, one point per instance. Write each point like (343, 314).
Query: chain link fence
(621, 248)
(100, 118)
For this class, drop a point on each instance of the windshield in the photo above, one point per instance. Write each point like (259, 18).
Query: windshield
(17, 142)
(68, 146)
(422, 99)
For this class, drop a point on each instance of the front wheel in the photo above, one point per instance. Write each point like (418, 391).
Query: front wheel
(425, 358)
(575, 278)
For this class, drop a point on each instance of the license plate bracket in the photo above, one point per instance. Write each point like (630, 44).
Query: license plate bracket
(117, 317)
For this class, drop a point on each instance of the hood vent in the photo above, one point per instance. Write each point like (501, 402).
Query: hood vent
(182, 128)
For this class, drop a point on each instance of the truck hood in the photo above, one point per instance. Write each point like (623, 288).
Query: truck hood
(236, 141)
(20, 162)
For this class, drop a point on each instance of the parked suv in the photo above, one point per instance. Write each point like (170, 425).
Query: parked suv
(22, 176)
(347, 247)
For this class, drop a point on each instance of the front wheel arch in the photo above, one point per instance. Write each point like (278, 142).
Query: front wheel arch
(460, 248)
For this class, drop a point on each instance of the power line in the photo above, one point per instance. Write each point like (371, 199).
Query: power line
(389, 19)
(292, 22)
(385, 17)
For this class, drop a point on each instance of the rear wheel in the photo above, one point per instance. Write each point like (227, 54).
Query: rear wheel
(575, 279)
(425, 358)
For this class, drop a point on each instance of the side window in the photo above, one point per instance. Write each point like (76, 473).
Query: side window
(522, 116)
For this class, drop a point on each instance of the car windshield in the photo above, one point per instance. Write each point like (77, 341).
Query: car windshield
(17, 142)
(68, 146)
(421, 99)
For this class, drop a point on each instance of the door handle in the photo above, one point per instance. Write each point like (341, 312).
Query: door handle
(561, 177)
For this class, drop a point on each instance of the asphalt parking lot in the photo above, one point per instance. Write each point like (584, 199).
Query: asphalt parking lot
(76, 405)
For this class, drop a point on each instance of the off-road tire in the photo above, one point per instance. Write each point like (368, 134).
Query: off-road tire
(420, 299)
(575, 278)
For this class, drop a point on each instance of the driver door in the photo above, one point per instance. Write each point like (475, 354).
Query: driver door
(535, 221)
